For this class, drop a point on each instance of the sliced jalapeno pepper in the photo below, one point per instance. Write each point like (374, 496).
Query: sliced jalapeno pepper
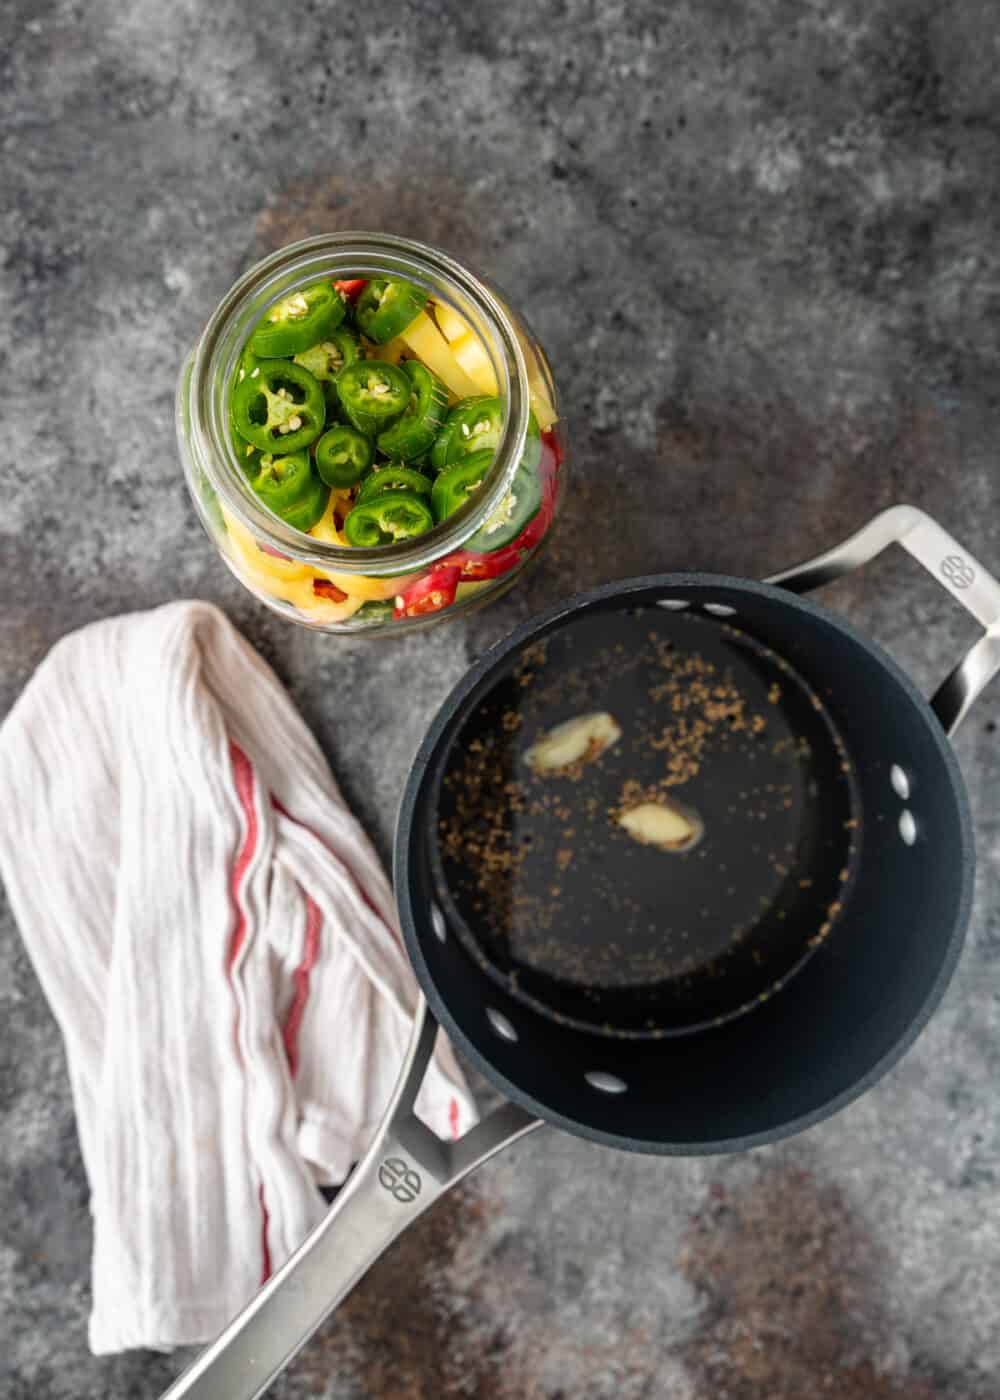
(375, 610)
(298, 321)
(532, 454)
(413, 433)
(479, 566)
(471, 426)
(306, 512)
(279, 405)
(372, 394)
(520, 505)
(386, 307)
(343, 455)
(281, 482)
(457, 483)
(247, 455)
(394, 479)
(392, 516)
(247, 362)
(475, 424)
(289, 487)
(327, 358)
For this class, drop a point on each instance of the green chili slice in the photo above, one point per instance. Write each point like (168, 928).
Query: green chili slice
(393, 478)
(309, 510)
(519, 506)
(475, 424)
(247, 455)
(298, 321)
(374, 610)
(327, 358)
(343, 455)
(387, 306)
(457, 483)
(247, 362)
(289, 487)
(278, 406)
(412, 434)
(389, 517)
(372, 394)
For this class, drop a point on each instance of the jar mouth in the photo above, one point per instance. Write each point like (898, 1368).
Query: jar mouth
(352, 254)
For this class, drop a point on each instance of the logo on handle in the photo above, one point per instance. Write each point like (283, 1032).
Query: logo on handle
(399, 1179)
(957, 572)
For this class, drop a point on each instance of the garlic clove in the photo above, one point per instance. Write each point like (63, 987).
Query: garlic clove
(578, 740)
(667, 825)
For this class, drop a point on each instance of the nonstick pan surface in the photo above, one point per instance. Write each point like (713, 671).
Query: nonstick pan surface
(568, 912)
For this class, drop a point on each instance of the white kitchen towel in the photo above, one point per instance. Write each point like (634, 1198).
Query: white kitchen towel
(219, 945)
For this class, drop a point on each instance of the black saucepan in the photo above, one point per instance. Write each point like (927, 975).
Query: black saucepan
(853, 838)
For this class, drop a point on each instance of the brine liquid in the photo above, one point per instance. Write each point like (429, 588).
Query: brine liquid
(558, 901)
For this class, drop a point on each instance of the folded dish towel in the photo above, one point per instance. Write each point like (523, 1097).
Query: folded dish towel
(218, 943)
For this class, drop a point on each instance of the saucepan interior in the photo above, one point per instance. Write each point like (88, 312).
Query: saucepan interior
(825, 1033)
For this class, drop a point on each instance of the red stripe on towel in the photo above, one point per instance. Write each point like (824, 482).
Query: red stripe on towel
(244, 782)
(453, 1117)
(265, 1248)
(310, 951)
(362, 892)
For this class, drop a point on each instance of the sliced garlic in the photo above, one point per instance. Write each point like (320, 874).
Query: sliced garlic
(664, 824)
(576, 740)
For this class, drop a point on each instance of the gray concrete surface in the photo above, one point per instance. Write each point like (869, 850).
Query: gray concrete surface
(762, 244)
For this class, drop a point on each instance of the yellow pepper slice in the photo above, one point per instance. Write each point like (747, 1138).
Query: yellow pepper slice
(390, 353)
(451, 324)
(325, 528)
(318, 608)
(428, 344)
(267, 570)
(538, 389)
(292, 581)
(539, 399)
(471, 354)
(473, 360)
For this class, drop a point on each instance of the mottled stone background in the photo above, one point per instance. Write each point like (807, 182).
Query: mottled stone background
(762, 245)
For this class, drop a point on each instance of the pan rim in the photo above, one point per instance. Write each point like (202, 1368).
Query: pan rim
(621, 589)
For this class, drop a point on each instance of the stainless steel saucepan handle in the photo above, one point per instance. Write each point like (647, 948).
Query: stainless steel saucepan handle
(953, 567)
(405, 1170)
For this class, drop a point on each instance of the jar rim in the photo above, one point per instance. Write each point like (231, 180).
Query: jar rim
(288, 269)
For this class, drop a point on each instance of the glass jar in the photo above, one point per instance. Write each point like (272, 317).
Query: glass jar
(318, 579)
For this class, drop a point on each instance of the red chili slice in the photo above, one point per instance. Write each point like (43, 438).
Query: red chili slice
(323, 588)
(552, 443)
(477, 566)
(431, 592)
(352, 288)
